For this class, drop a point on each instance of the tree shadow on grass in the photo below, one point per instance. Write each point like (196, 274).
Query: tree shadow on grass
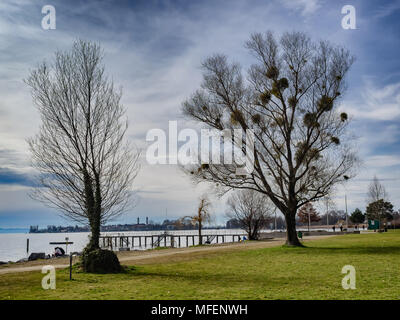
(376, 249)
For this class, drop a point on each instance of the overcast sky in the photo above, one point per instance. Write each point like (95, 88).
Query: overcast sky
(153, 50)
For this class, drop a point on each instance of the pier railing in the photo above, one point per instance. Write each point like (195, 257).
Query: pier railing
(125, 242)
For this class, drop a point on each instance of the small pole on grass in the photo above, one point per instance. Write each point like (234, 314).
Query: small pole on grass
(70, 266)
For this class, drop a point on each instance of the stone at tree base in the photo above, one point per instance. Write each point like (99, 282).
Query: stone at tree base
(36, 256)
(100, 261)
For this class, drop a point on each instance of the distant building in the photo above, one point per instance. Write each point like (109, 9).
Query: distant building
(233, 224)
(33, 229)
(165, 225)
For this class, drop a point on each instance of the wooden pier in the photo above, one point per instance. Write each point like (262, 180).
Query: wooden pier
(127, 242)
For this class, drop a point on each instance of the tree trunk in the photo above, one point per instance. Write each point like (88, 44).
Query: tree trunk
(252, 235)
(93, 212)
(200, 237)
(291, 233)
(95, 229)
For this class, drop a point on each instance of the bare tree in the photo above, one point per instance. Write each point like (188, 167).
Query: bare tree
(86, 169)
(377, 198)
(252, 209)
(289, 100)
(308, 214)
(327, 204)
(376, 191)
(202, 217)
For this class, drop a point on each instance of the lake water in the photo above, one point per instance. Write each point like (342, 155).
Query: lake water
(13, 245)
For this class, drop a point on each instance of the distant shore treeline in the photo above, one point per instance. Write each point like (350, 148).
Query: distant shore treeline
(165, 225)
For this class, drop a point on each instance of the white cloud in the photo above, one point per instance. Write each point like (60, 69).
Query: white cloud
(387, 9)
(382, 161)
(306, 7)
(376, 103)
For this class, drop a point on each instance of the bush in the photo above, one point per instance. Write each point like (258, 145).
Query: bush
(100, 261)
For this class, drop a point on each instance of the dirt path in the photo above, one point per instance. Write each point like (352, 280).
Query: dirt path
(150, 256)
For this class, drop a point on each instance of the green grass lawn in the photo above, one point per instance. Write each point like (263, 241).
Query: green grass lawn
(313, 272)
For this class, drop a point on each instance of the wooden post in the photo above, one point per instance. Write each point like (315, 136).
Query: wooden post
(193, 240)
(27, 246)
(152, 242)
(140, 241)
(179, 241)
(70, 266)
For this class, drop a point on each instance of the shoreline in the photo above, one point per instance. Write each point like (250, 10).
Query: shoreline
(151, 255)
